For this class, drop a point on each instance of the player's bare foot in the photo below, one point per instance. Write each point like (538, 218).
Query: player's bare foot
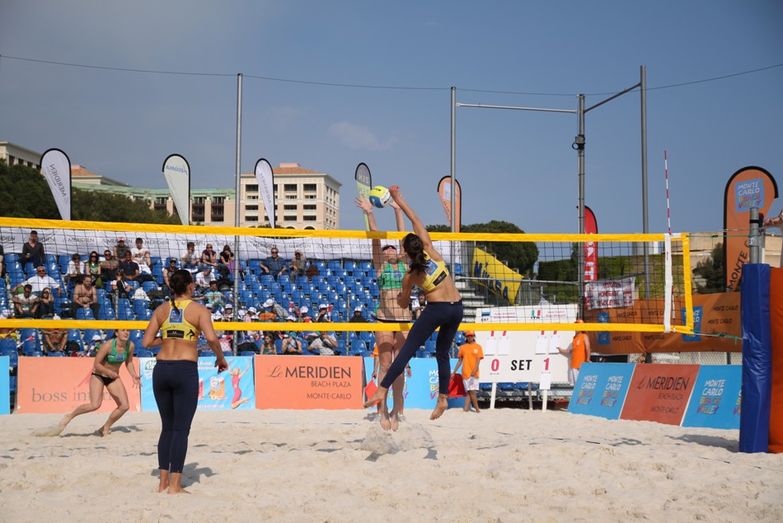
(179, 490)
(440, 407)
(385, 421)
(395, 420)
(377, 398)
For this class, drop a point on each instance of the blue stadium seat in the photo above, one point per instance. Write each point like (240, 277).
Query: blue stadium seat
(429, 346)
(84, 313)
(506, 387)
(247, 353)
(485, 387)
(149, 286)
(11, 257)
(334, 265)
(55, 354)
(7, 345)
(349, 265)
(365, 265)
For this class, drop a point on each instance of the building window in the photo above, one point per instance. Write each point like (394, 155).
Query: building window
(289, 207)
(251, 218)
(291, 197)
(290, 187)
(289, 218)
(310, 187)
(251, 187)
(218, 208)
(310, 218)
(309, 197)
(251, 207)
(161, 203)
(310, 207)
(197, 210)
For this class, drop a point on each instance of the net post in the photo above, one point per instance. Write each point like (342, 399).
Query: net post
(686, 269)
(579, 145)
(668, 283)
(238, 173)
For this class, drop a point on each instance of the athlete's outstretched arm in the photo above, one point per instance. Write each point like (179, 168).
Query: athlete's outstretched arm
(366, 207)
(418, 226)
(399, 218)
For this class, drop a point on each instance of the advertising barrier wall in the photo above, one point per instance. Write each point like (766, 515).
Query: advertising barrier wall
(601, 389)
(715, 402)
(421, 383)
(776, 324)
(659, 393)
(5, 386)
(58, 385)
(231, 389)
(308, 382)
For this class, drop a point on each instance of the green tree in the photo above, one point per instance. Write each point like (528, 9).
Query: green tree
(25, 194)
(713, 270)
(520, 256)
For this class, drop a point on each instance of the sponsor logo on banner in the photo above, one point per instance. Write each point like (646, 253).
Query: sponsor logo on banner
(697, 315)
(363, 179)
(5, 385)
(444, 194)
(266, 188)
(746, 188)
(659, 393)
(601, 389)
(308, 382)
(59, 385)
(521, 356)
(176, 170)
(610, 294)
(715, 398)
(495, 275)
(56, 169)
(591, 248)
(231, 389)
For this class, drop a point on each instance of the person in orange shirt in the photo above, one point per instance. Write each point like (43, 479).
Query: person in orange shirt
(470, 355)
(579, 350)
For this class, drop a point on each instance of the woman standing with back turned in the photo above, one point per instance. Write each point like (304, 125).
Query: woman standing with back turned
(444, 307)
(175, 377)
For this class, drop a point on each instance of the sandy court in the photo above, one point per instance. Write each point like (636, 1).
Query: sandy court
(506, 465)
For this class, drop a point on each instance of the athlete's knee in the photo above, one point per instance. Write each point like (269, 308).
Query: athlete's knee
(123, 407)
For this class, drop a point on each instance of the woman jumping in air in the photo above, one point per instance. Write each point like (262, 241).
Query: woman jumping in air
(428, 271)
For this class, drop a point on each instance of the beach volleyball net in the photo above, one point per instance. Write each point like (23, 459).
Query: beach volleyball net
(291, 279)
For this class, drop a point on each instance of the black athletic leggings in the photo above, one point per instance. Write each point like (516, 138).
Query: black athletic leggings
(175, 384)
(444, 314)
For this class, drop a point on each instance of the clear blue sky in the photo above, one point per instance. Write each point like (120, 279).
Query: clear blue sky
(513, 166)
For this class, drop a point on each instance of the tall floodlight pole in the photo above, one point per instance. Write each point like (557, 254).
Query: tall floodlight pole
(579, 145)
(645, 217)
(238, 174)
(453, 169)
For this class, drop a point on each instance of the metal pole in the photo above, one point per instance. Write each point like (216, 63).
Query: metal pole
(754, 236)
(579, 145)
(645, 217)
(238, 174)
(453, 171)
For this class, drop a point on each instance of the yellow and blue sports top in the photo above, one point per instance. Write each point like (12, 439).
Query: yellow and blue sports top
(176, 326)
(434, 273)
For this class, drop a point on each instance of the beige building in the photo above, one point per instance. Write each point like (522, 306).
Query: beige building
(304, 198)
(17, 155)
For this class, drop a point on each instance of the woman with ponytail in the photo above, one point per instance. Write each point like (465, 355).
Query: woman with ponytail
(428, 271)
(175, 376)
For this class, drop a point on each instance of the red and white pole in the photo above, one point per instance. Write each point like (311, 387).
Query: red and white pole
(666, 177)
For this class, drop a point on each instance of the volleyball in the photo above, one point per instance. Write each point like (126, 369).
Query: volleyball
(379, 196)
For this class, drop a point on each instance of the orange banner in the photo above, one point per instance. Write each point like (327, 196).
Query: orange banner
(308, 382)
(659, 393)
(748, 187)
(776, 325)
(716, 318)
(59, 385)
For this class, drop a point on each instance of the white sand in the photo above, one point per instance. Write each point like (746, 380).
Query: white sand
(506, 465)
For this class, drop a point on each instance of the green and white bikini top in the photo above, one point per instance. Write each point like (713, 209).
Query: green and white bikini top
(114, 357)
(391, 275)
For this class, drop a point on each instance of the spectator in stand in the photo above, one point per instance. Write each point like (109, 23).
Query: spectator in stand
(25, 303)
(274, 264)
(204, 279)
(109, 267)
(291, 344)
(470, 356)
(120, 249)
(54, 340)
(303, 314)
(141, 255)
(357, 316)
(168, 272)
(228, 312)
(119, 286)
(269, 344)
(190, 259)
(213, 297)
(324, 314)
(273, 311)
(131, 269)
(93, 268)
(227, 259)
(298, 265)
(324, 343)
(45, 304)
(76, 270)
(33, 250)
(85, 296)
(41, 281)
(209, 257)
